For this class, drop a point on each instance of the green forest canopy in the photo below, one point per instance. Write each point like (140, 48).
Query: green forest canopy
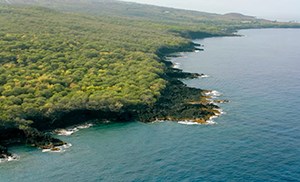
(53, 61)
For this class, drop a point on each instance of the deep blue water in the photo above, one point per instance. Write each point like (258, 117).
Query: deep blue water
(257, 140)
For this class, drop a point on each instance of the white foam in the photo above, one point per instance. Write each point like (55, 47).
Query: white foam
(210, 122)
(85, 126)
(58, 149)
(204, 76)
(72, 130)
(176, 65)
(65, 132)
(13, 157)
(213, 93)
(188, 123)
(221, 112)
(158, 121)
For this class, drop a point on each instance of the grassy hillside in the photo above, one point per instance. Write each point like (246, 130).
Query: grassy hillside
(185, 19)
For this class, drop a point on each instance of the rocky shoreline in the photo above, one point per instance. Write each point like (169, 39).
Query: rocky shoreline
(177, 102)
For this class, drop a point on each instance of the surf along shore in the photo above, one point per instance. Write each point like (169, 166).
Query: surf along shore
(177, 102)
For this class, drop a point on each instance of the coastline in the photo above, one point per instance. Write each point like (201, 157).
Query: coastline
(184, 103)
(251, 129)
(178, 103)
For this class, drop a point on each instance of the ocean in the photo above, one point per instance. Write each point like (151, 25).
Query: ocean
(257, 139)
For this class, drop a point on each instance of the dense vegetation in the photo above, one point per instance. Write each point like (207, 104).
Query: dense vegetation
(93, 56)
(51, 64)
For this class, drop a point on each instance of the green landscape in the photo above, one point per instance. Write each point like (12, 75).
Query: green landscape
(105, 60)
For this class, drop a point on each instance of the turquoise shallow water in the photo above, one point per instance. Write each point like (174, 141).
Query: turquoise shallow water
(257, 140)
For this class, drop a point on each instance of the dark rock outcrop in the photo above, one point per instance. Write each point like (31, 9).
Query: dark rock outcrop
(4, 153)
